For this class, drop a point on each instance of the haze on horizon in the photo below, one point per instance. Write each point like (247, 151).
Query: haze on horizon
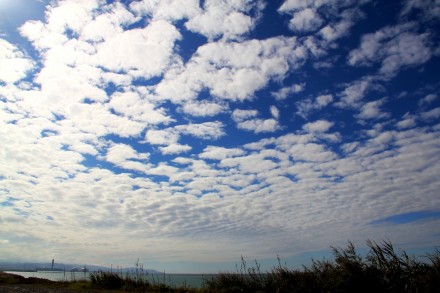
(187, 133)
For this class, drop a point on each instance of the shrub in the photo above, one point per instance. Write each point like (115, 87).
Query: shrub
(383, 270)
(106, 280)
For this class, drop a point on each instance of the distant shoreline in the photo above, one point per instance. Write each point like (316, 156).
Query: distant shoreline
(64, 278)
(7, 278)
(65, 267)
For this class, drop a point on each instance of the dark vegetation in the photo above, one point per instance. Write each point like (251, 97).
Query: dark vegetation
(11, 279)
(134, 281)
(383, 269)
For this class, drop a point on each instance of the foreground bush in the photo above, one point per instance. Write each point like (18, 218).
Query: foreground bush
(134, 281)
(106, 280)
(382, 270)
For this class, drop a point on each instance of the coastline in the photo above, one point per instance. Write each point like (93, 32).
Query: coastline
(13, 283)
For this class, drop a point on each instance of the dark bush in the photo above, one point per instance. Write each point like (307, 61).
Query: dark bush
(106, 280)
(383, 270)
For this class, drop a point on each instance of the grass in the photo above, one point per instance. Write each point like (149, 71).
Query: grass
(383, 269)
(133, 281)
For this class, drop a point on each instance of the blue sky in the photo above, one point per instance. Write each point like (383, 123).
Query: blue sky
(188, 133)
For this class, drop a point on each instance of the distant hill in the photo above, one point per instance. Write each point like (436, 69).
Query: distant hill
(33, 266)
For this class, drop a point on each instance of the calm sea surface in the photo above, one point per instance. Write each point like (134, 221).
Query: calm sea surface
(189, 280)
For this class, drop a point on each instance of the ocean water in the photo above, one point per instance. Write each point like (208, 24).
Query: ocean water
(175, 280)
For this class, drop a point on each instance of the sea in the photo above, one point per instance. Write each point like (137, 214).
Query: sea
(173, 280)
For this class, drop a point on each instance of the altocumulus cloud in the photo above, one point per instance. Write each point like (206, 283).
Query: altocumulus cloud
(199, 131)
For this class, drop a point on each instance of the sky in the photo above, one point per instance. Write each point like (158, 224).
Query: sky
(189, 133)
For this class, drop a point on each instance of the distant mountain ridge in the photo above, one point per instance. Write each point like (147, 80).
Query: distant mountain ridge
(33, 266)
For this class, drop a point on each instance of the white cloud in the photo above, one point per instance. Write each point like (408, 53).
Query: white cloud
(120, 153)
(161, 137)
(429, 8)
(229, 19)
(275, 112)
(283, 168)
(431, 114)
(127, 164)
(107, 24)
(241, 115)
(394, 47)
(132, 106)
(40, 35)
(28, 152)
(171, 10)
(203, 108)
(14, 65)
(116, 78)
(285, 92)
(324, 64)
(250, 164)
(307, 106)
(306, 20)
(142, 53)
(55, 128)
(70, 15)
(62, 86)
(371, 110)
(407, 50)
(334, 16)
(340, 28)
(95, 118)
(220, 153)
(294, 5)
(175, 148)
(353, 94)
(232, 71)
(324, 100)
(163, 170)
(408, 121)
(168, 138)
(259, 125)
(310, 152)
(246, 120)
(77, 65)
(428, 99)
(318, 126)
(60, 17)
(205, 130)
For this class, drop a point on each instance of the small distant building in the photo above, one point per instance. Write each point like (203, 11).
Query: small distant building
(83, 269)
